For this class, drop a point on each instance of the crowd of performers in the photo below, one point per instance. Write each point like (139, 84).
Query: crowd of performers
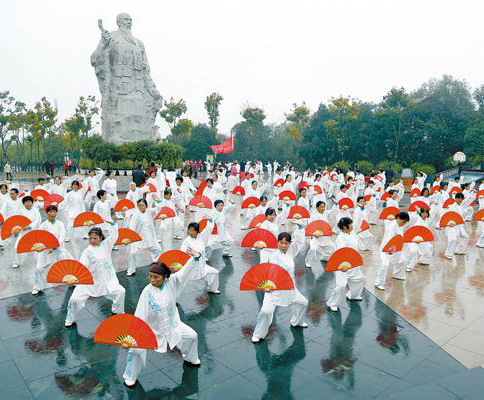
(349, 203)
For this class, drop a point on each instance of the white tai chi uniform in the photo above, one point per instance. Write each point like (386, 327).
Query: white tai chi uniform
(98, 260)
(157, 307)
(74, 204)
(418, 252)
(33, 215)
(365, 238)
(391, 229)
(223, 238)
(281, 298)
(457, 236)
(93, 183)
(111, 186)
(320, 247)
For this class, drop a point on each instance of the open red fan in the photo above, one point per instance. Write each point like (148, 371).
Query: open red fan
(174, 259)
(344, 259)
(87, 218)
(318, 228)
(259, 239)
(450, 218)
(385, 196)
(123, 205)
(53, 199)
(389, 212)
(298, 212)
(279, 183)
(39, 194)
(418, 234)
(126, 331)
(203, 224)
(152, 188)
(257, 221)
(367, 198)
(365, 226)
(70, 272)
(455, 189)
(448, 202)
(266, 276)
(435, 189)
(251, 202)
(37, 240)
(165, 212)
(201, 188)
(238, 191)
(1, 218)
(418, 205)
(317, 189)
(346, 203)
(479, 216)
(201, 202)
(394, 245)
(127, 236)
(303, 185)
(415, 192)
(287, 195)
(13, 225)
(480, 194)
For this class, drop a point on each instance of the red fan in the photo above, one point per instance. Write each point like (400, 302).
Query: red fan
(318, 228)
(40, 194)
(394, 245)
(448, 202)
(54, 200)
(348, 186)
(415, 192)
(279, 183)
(123, 205)
(435, 189)
(455, 189)
(87, 218)
(174, 259)
(367, 198)
(127, 331)
(13, 225)
(127, 236)
(287, 195)
(167, 182)
(238, 191)
(266, 276)
(259, 239)
(1, 219)
(365, 226)
(201, 202)
(479, 216)
(257, 221)
(480, 194)
(389, 212)
(165, 212)
(298, 212)
(344, 259)
(201, 188)
(70, 272)
(203, 224)
(318, 189)
(418, 234)
(345, 204)
(37, 240)
(151, 187)
(303, 185)
(385, 196)
(251, 202)
(451, 218)
(418, 204)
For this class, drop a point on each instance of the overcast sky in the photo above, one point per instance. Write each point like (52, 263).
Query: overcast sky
(268, 53)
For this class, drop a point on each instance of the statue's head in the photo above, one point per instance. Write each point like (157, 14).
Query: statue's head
(124, 21)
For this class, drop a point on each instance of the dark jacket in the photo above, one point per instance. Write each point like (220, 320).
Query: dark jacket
(139, 177)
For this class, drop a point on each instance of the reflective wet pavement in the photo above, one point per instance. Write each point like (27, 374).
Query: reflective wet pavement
(367, 351)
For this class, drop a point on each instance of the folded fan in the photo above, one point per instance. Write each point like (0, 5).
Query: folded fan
(266, 276)
(87, 218)
(365, 226)
(13, 225)
(344, 259)
(367, 198)
(201, 188)
(127, 331)
(385, 196)
(259, 239)
(123, 205)
(318, 228)
(69, 272)
(127, 236)
(203, 224)
(37, 240)
(174, 259)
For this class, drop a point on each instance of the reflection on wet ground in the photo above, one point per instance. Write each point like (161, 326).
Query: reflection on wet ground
(396, 344)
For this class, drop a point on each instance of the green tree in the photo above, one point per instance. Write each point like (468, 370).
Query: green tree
(7, 106)
(172, 111)
(212, 104)
(299, 119)
(181, 131)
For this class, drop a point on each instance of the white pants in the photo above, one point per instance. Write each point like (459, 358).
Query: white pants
(155, 252)
(77, 302)
(354, 279)
(457, 239)
(226, 245)
(319, 249)
(188, 346)
(212, 278)
(365, 240)
(266, 313)
(386, 260)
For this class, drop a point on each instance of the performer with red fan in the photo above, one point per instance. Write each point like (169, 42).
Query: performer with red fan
(361, 226)
(321, 244)
(418, 241)
(370, 200)
(271, 224)
(158, 309)
(266, 277)
(346, 261)
(284, 258)
(392, 229)
(453, 222)
(222, 239)
(74, 204)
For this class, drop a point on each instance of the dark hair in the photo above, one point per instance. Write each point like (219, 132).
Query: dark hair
(194, 225)
(270, 211)
(217, 202)
(100, 193)
(444, 184)
(342, 187)
(425, 189)
(51, 207)
(3, 185)
(262, 198)
(97, 231)
(41, 179)
(403, 216)
(209, 180)
(319, 203)
(302, 188)
(91, 170)
(75, 183)
(391, 191)
(459, 195)
(253, 182)
(167, 191)
(344, 222)
(317, 176)
(162, 267)
(142, 201)
(424, 210)
(27, 198)
(179, 177)
(15, 190)
(284, 235)
(360, 198)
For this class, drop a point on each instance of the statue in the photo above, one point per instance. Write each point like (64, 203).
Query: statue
(130, 99)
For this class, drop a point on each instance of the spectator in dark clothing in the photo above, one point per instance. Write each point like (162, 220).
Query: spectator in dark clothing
(139, 176)
(47, 167)
(388, 175)
(51, 167)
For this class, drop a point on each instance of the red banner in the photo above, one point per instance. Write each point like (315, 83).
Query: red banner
(225, 147)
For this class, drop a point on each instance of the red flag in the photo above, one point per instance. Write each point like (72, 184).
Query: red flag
(225, 147)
